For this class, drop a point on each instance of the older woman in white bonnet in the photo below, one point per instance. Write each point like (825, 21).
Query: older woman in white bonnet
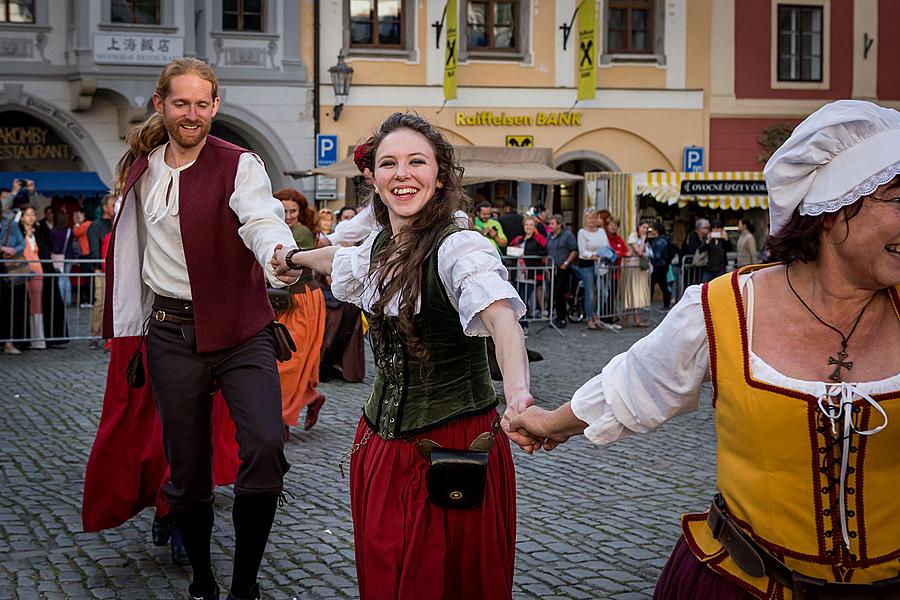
(804, 358)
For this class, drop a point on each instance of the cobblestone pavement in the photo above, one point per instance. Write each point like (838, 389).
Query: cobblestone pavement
(592, 522)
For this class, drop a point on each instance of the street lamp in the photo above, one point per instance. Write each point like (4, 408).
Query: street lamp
(341, 77)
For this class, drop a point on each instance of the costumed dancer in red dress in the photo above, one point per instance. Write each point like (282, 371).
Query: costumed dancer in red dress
(431, 292)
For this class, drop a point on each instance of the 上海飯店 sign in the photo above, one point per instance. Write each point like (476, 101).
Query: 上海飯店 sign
(699, 187)
(540, 119)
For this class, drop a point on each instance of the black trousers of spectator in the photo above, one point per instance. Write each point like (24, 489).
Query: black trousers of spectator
(561, 283)
(660, 276)
(184, 382)
(13, 310)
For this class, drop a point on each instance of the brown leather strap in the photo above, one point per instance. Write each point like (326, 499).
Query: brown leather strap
(756, 562)
(161, 315)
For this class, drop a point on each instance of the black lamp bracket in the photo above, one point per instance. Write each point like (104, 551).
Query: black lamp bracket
(567, 28)
(439, 27)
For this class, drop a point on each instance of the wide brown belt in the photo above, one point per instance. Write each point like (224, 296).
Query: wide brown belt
(756, 562)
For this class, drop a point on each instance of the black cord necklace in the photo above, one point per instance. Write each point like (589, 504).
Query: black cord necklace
(840, 362)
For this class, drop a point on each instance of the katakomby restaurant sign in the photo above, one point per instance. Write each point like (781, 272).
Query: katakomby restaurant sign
(699, 187)
(126, 49)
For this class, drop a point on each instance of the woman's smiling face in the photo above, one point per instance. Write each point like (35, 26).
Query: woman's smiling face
(406, 174)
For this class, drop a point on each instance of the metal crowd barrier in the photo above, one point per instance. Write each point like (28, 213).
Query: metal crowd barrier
(533, 277)
(71, 297)
(609, 299)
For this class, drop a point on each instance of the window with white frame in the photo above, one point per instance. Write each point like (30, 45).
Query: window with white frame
(16, 11)
(138, 12)
(377, 24)
(243, 15)
(629, 26)
(494, 29)
(800, 42)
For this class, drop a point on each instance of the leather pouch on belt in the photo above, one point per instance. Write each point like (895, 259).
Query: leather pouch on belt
(456, 478)
(284, 343)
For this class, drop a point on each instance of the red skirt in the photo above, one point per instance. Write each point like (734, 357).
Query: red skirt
(409, 548)
(127, 465)
(686, 578)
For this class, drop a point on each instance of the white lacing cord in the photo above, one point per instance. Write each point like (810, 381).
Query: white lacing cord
(842, 413)
(866, 187)
(157, 205)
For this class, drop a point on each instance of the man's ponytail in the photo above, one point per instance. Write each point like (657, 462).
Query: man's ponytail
(141, 140)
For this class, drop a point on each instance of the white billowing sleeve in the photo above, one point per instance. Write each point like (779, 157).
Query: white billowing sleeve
(658, 378)
(350, 271)
(474, 277)
(260, 214)
(347, 233)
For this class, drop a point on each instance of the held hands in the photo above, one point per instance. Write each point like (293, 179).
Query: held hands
(516, 404)
(548, 428)
(283, 271)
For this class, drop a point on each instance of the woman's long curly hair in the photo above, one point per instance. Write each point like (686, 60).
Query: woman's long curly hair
(305, 214)
(399, 266)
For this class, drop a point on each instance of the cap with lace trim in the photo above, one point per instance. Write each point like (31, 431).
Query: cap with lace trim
(837, 155)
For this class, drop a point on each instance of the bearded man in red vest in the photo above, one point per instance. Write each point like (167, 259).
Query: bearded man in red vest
(188, 254)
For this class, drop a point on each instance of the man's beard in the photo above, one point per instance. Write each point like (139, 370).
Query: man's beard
(183, 138)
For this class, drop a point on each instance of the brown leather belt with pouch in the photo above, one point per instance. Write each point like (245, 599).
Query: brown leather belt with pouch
(756, 562)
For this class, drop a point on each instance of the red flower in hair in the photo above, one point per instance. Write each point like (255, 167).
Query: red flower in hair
(360, 155)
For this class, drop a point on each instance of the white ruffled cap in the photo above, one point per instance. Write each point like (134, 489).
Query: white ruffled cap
(837, 155)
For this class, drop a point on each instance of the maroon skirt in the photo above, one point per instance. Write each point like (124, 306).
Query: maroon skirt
(409, 548)
(686, 578)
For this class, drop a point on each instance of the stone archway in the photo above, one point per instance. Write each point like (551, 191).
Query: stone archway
(12, 98)
(568, 200)
(259, 137)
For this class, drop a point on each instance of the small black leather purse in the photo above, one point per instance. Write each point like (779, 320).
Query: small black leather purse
(456, 478)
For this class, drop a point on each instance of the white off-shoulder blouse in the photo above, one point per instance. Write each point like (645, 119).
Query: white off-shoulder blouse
(660, 376)
(469, 268)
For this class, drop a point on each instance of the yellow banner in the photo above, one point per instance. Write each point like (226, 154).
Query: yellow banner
(451, 52)
(587, 50)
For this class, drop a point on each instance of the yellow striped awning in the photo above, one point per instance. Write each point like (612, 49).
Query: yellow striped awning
(733, 190)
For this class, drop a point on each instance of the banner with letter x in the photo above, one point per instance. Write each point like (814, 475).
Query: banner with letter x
(451, 52)
(587, 50)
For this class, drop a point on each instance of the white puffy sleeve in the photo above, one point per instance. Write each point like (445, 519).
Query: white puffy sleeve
(350, 271)
(658, 378)
(260, 214)
(474, 277)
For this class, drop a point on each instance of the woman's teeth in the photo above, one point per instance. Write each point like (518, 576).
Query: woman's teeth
(405, 191)
(893, 248)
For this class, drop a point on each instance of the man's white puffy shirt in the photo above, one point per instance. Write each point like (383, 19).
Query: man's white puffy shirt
(260, 214)
(468, 266)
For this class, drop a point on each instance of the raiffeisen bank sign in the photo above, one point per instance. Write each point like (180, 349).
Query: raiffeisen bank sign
(540, 119)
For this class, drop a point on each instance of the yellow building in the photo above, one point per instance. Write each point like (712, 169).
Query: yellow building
(517, 83)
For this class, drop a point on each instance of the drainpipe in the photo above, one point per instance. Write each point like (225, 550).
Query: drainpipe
(316, 68)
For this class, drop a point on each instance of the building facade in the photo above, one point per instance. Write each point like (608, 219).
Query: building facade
(76, 75)
(517, 80)
(776, 61)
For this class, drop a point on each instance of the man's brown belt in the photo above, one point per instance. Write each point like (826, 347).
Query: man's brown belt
(161, 315)
(756, 562)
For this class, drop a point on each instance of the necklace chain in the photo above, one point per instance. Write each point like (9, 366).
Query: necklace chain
(839, 362)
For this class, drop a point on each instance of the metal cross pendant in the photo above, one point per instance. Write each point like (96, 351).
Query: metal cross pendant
(839, 363)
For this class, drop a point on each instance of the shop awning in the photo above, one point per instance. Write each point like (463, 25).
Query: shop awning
(487, 163)
(733, 190)
(59, 183)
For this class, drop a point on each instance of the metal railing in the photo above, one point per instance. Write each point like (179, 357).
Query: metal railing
(67, 297)
(617, 293)
(534, 278)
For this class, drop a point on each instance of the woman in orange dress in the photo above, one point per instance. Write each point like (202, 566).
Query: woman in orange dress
(305, 320)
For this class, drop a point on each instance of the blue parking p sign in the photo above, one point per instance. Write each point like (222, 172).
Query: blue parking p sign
(326, 150)
(693, 159)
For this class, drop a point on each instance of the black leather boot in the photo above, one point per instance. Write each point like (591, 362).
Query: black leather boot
(200, 591)
(161, 530)
(254, 594)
